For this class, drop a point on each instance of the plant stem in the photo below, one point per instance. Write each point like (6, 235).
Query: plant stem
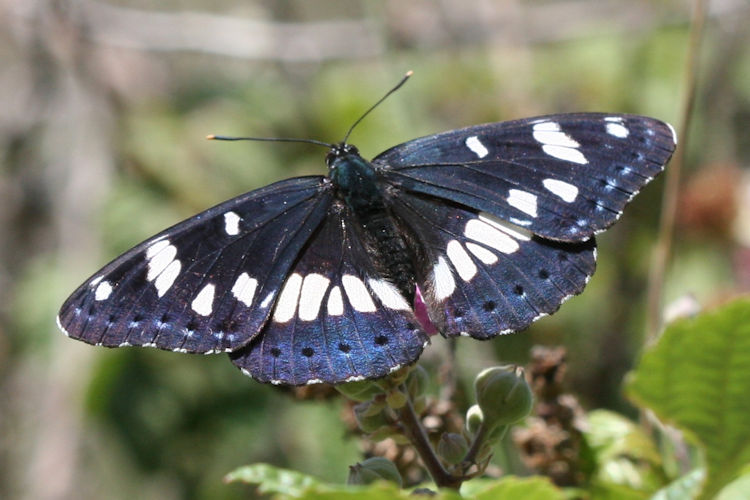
(415, 432)
(663, 247)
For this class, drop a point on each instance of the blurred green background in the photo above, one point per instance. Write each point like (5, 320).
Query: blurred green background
(104, 109)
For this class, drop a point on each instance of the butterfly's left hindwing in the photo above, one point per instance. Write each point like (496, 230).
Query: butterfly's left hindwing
(336, 319)
(204, 285)
(481, 276)
(563, 177)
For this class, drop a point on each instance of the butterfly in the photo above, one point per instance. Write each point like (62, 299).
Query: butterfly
(315, 279)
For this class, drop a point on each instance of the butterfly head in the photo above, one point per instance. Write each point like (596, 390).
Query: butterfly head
(338, 152)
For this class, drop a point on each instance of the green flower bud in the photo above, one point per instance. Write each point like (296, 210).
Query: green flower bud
(417, 381)
(362, 390)
(373, 469)
(368, 419)
(452, 447)
(503, 395)
(474, 419)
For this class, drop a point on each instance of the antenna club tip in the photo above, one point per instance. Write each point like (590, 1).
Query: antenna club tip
(210, 137)
(409, 73)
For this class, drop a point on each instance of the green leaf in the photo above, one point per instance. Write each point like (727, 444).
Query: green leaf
(284, 483)
(736, 490)
(512, 488)
(272, 479)
(697, 377)
(624, 455)
(686, 486)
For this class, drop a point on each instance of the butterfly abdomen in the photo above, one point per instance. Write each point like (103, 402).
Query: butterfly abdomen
(356, 185)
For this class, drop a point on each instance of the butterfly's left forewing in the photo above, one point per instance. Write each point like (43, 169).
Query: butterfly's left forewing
(204, 285)
(563, 177)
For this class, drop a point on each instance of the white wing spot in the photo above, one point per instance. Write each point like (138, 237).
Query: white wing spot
(203, 303)
(549, 133)
(166, 278)
(512, 230)
(287, 303)
(103, 291)
(547, 126)
(490, 236)
(159, 256)
(335, 302)
(244, 289)
(566, 191)
(156, 247)
(523, 201)
(476, 146)
(232, 223)
(313, 290)
(388, 295)
(482, 253)
(563, 153)
(163, 268)
(618, 130)
(461, 260)
(357, 293)
(442, 279)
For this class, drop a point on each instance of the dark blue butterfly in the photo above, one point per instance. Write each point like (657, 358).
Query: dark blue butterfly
(314, 279)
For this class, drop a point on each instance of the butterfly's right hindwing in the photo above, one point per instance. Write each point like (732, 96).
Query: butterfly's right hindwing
(337, 318)
(207, 284)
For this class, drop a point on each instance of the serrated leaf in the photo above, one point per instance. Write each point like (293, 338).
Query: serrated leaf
(697, 377)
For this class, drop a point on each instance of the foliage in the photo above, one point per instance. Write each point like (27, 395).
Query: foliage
(286, 484)
(696, 377)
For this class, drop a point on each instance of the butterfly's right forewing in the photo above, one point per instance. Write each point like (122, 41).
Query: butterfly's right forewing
(204, 285)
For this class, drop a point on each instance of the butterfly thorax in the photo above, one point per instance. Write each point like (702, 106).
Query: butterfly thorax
(356, 185)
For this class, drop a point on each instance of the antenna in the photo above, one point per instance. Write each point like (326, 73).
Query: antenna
(398, 86)
(213, 137)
